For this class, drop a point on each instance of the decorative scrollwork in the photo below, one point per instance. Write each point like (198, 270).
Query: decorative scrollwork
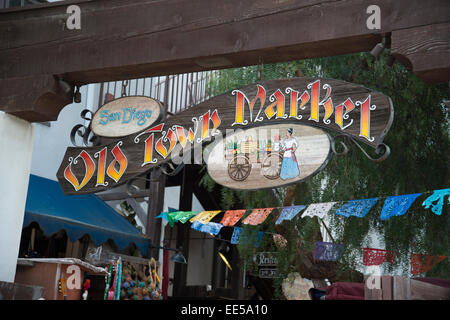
(382, 149)
(131, 188)
(84, 131)
(342, 143)
(171, 169)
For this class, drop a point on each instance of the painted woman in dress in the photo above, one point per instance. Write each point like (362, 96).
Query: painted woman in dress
(289, 165)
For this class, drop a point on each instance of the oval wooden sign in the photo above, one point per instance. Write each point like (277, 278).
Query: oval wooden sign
(125, 116)
(268, 156)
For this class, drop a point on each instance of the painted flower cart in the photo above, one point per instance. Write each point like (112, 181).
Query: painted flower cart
(242, 158)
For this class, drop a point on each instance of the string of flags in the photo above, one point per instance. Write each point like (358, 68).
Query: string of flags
(393, 206)
(324, 251)
(419, 263)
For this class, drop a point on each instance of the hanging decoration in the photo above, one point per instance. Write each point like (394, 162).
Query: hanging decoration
(182, 216)
(375, 257)
(279, 240)
(325, 251)
(424, 262)
(205, 216)
(288, 213)
(258, 239)
(236, 235)
(318, 210)
(239, 236)
(231, 217)
(397, 205)
(301, 109)
(357, 208)
(328, 251)
(257, 216)
(254, 236)
(438, 195)
(393, 206)
(210, 227)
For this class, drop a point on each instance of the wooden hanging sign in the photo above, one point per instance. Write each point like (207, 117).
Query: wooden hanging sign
(294, 107)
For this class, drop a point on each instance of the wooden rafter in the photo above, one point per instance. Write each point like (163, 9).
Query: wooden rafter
(141, 38)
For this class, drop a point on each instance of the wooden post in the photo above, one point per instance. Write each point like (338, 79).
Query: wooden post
(155, 207)
(187, 191)
(156, 196)
(236, 275)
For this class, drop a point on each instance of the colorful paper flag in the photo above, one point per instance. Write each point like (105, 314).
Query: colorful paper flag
(397, 205)
(236, 235)
(197, 225)
(288, 213)
(210, 227)
(231, 217)
(328, 251)
(357, 208)
(174, 216)
(375, 257)
(184, 216)
(246, 238)
(205, 216)
(318, 210)
(257, 216)
(424, 262)
(258, 239)
(438, 195)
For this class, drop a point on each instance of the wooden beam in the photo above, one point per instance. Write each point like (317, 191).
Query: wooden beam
(141, 38)
(111, 44)
(123, 195)
(425, 50)
(37, 98)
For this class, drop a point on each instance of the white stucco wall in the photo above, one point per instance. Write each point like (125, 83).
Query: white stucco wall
(16, 146)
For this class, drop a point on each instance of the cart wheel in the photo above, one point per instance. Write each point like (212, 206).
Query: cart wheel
(271, 166)
(239, 168)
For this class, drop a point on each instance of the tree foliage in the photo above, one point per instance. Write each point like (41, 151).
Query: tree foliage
(419, 162)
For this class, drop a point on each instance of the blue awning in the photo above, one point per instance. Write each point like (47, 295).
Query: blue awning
(78, 215)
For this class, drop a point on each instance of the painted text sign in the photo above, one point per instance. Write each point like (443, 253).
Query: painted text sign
(125, 116)
(295, 103)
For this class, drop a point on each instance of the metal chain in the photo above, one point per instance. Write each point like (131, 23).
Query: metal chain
(260, 69)
(124, 87)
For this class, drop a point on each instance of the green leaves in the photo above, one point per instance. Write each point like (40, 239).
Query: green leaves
(419, 161)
